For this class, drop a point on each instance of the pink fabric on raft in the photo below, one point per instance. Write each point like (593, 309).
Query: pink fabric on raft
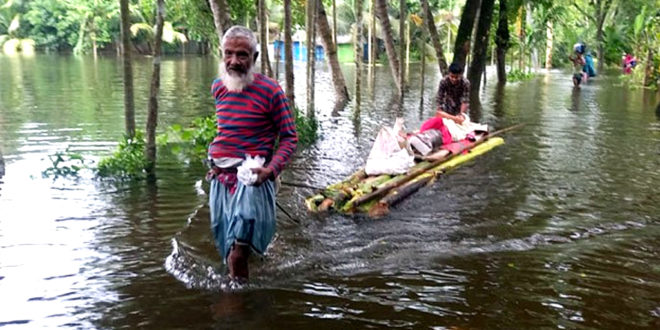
(436, 123)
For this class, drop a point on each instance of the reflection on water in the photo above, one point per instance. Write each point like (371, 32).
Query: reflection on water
(557, 228)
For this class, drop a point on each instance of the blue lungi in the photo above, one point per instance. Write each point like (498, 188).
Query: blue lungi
(247, 215)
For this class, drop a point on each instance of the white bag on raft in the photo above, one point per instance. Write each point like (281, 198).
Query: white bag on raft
(390, 153)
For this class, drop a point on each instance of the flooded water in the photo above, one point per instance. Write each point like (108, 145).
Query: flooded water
(558, 228)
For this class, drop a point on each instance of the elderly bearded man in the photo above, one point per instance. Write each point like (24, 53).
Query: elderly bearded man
(252, 113)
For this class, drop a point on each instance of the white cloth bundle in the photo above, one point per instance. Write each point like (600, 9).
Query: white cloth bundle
(244, 171)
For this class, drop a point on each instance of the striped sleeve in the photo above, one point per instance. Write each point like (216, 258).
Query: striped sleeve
(286, 125)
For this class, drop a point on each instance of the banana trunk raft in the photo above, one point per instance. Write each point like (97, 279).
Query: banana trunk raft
(374, 195)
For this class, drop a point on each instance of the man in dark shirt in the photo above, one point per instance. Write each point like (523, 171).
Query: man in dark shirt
(453, 95)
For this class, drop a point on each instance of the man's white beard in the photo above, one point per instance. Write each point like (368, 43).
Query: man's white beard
(233, 81)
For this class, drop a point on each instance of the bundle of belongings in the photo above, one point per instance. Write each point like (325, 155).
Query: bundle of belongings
(394, 150)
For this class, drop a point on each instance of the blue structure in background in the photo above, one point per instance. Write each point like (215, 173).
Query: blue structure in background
(299, 51)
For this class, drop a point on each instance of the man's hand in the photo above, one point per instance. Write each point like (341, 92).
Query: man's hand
(263, 174)
(459, 119)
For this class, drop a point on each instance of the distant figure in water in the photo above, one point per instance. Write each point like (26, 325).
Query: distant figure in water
(628, 63)
(578, 63)
(252, 113)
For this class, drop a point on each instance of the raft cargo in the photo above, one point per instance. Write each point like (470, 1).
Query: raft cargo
(374, 195)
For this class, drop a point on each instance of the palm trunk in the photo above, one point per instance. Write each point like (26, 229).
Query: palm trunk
(129, 108)
(402, 46)
(152, 116)
(311, 55)
(357, 39)
(288, 55)
(381, 12)
(221, 19)
(648, 70)
(462, 44)
(549, 44)
(341, 92)
(422, 45)
(480, 46)
(263, 39)
(502, 42)
(433, 32)
(334, 22)
(373, 46)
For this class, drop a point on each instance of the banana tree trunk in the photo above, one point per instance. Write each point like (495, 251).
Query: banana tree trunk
(386, 27)
(129, 107)
(288, 55)
(341, 92)
(433, 32)
(152, 115)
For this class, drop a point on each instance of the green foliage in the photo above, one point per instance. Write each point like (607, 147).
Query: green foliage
(192, 140)
(127, 162)
(518, 75)
(307, 128)
(64, 164)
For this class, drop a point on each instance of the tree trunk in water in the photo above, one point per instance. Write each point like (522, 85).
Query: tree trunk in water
(334, 22)
(152, 115)
(502, 42)
(381, 13)
(341, 92)
(433, 32)
(422, 45)
(278, 57)
(648, 70)
(129, 107)
(549, 44)
(462, 44)
(402, 46)
(288, 55)
(357, 42)
(221, 19)
(263, 38)
(311, 55)
(373, 47)
(480, 46)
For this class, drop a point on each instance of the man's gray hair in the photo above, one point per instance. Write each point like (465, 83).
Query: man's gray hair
(238, 31)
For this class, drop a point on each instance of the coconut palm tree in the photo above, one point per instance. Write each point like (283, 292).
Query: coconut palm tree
(386, 28)
(502, 41)
(221, 19)
(288, 55)
(341, 92)
(463, 38)
(433, 32)
(152, 114)
(129, 107)
(480, 45)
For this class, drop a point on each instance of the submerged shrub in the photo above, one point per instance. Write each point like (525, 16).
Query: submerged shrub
(128, 161)
(64, 163)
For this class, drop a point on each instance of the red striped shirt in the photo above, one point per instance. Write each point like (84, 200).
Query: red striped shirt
(250, 121)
